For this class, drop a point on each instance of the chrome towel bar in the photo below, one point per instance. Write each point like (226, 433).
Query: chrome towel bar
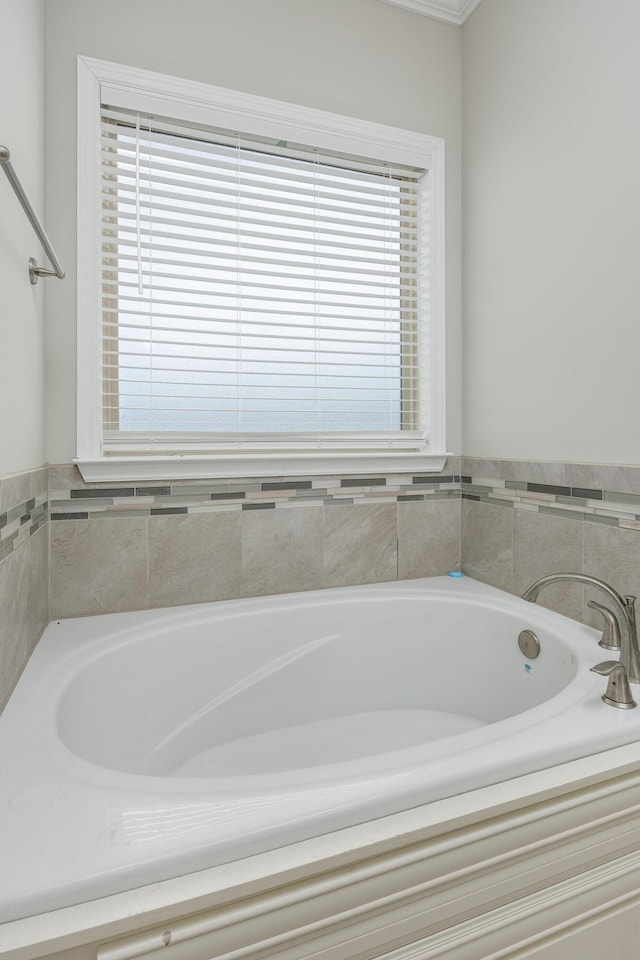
(34, 270)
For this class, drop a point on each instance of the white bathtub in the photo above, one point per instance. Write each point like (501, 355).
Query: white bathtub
(139, 747)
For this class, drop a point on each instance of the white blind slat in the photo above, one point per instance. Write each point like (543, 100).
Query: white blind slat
(341, 369)
(378, 242)
(216, 289)
(204, 204)
(349, 286)
(279, 321)
(154, 239)
(260, 175)
(154, 262)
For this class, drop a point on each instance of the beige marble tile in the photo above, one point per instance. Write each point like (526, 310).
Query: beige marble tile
(620, 479)
(24, 606)
(543, 544)
(98, 566)
(429, 536)
(16, 489)
(194, 558)
(487, 543)
(41, 483)
(64, 477)
(281, 550)
(613, 555)
(453, 465)
(38, 565)
(360, 543)
(478, 467)
(533, 471)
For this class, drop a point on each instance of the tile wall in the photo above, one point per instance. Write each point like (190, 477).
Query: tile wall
(24, 566)
(129, 546)
(522, 520)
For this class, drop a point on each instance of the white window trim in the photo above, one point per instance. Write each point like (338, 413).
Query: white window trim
(99, 80)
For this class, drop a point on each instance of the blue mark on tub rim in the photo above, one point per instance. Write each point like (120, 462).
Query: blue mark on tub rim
(456, 574)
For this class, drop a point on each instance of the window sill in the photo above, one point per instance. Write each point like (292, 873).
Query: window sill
(227, 466)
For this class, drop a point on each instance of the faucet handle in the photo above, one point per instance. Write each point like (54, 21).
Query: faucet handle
(611, 633)
(618, 692)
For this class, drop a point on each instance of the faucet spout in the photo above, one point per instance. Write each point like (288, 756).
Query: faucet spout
(629, 652)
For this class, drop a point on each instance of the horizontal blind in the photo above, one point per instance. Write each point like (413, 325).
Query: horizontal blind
(256, 291)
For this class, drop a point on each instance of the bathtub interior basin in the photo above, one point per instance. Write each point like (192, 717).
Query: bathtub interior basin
(260, 690)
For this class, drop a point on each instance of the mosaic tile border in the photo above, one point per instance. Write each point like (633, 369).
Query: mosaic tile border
(21, 521)
(536, 486)
(140, 500)
(486, 481)
(588, 504)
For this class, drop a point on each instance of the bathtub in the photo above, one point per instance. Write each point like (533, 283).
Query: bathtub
(143, 746)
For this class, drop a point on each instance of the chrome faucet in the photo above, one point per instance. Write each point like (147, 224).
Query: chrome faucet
(618, 693)
(629, 652)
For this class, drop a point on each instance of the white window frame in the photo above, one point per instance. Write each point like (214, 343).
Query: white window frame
(101, 81)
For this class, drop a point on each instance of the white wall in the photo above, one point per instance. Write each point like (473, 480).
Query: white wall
(361, 58)
(551, 211)
(22, 124)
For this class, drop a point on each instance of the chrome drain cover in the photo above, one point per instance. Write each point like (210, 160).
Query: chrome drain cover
(529, 644)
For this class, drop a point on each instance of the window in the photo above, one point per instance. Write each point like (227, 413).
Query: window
(254, 290)
(266, 291)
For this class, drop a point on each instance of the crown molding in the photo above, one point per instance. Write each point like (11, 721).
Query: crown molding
(453, 11)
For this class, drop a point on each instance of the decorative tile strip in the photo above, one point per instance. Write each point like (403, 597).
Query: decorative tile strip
(589, 504)
(494, 483)
(20, 522)
(154, 500)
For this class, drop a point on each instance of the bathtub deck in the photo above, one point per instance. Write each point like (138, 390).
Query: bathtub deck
(122, 830)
